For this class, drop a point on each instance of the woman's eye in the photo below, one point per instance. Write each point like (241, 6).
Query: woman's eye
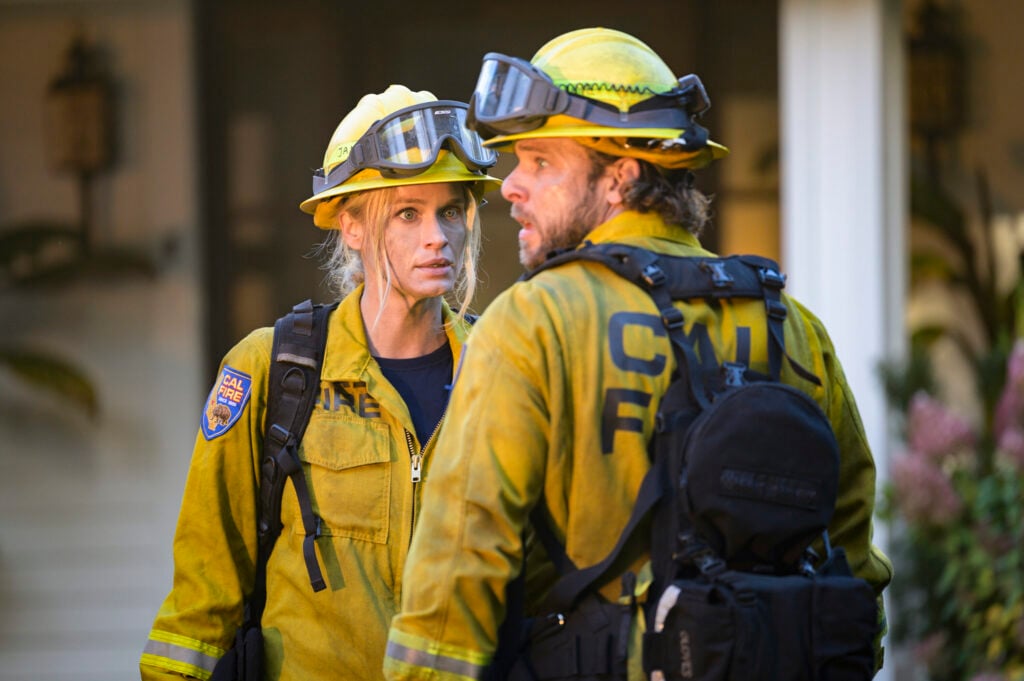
(451, 213)
(407, 214)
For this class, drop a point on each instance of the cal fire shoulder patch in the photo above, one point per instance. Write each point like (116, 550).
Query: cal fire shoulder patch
(228, 398)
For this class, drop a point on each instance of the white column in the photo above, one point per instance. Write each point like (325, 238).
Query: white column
(843, 188)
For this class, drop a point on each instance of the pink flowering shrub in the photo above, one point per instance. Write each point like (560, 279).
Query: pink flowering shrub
(924, 494)
(935, 431)
(956, 499)
(1008, 422)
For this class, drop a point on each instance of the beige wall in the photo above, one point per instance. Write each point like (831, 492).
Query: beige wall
(87, 515)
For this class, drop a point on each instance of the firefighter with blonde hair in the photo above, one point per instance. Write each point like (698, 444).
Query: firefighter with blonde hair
(398, 196)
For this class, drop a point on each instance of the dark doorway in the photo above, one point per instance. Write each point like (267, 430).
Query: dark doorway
(276, 78)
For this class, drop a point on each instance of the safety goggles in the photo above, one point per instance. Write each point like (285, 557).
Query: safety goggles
(513, 96)
(407, 142)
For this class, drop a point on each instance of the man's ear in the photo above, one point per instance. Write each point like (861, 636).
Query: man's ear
(623, 172)
(351, 231)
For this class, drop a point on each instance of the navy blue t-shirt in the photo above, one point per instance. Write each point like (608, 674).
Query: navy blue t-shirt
(423, 382)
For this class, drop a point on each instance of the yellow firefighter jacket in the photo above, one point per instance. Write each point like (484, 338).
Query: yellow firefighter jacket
(358, 454)
(528, 416)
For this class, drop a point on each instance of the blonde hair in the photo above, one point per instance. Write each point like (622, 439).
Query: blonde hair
(372, 209)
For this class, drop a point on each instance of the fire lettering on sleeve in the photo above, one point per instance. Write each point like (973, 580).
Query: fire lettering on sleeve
(227, 400)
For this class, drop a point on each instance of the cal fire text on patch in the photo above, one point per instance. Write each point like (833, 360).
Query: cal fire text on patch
(228, 398)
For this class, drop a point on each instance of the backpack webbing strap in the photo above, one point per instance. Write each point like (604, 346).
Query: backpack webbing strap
(556, 552)
(571, 586)
(296, 356)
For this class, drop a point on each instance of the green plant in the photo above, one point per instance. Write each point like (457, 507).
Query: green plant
(955, 493)
(52, 374)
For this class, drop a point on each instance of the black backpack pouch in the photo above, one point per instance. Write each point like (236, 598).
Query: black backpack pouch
(761, 474)
(698, 637)
(589, 643)
(744, 626)
(845, 623)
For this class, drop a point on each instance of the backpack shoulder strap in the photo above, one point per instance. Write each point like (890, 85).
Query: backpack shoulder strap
(297, 353)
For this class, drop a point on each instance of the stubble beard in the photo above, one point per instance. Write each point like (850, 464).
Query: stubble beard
(568, 233)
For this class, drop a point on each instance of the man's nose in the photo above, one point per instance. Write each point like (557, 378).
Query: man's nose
(511, 188)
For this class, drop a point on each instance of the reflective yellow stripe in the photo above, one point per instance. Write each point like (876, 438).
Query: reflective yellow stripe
(181, 654)
(436, 661)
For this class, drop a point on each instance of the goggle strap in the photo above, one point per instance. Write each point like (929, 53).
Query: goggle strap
(600, 113)
(557, 100)
(696, 97)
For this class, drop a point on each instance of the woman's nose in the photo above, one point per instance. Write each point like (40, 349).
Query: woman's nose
(433, 233)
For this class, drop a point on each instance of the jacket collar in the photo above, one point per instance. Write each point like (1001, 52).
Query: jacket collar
(348, 353)
(631, 226)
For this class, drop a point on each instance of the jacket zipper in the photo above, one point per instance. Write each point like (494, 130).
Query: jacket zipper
(415, 458)
(416, 464)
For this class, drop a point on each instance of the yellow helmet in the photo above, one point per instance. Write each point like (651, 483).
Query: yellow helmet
(396, 138)
(605, 88)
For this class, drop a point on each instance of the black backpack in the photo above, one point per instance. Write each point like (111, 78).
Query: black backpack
(297, 354)
(744, 477)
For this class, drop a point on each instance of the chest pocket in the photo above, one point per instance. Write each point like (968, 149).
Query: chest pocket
(348, 465)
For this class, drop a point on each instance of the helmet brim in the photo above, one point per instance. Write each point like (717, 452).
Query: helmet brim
(603, 139)
(447, 169)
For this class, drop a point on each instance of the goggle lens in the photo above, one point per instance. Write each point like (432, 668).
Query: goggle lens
(408, 142)
(502, 91)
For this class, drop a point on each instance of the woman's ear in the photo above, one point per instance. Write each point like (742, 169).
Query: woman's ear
(351, 231)
(623, 172)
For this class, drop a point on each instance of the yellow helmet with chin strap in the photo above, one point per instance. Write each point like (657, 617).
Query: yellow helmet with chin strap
(602, 87)
(396, 138)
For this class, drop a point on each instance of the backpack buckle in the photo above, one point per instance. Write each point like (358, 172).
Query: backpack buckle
(700, 555)
(734, 374)
(653, 275)
(720, 277)
(775, 309)
(672, 318)
(771, 278)
(278, 435)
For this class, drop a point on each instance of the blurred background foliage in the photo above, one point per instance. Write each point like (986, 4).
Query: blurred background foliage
(954, 496)
(50, 257)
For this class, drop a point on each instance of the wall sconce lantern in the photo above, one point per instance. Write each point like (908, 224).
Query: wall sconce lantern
(80, 123)
(937, 81)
